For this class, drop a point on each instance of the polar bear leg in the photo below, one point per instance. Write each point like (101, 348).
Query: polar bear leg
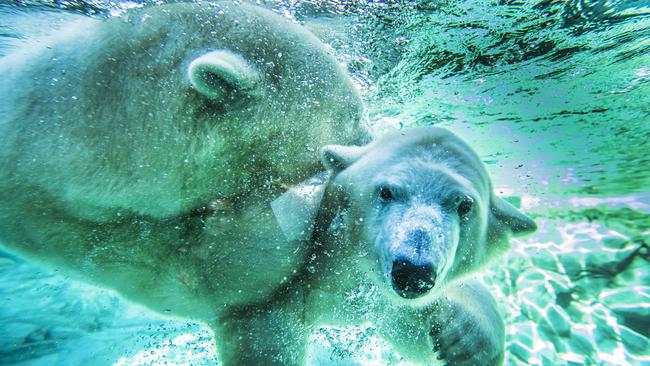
(267, 334)
(408, 330)
(463, 326)
(468, 329)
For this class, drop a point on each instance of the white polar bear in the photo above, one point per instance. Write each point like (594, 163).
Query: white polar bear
(122, 139)
(151, 154)
(401, 221)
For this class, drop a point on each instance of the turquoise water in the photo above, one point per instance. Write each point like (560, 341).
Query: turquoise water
(554, 96)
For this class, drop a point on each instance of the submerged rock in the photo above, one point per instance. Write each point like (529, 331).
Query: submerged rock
(634, 302)
(558, 321)
(634, 342)
(577, 294)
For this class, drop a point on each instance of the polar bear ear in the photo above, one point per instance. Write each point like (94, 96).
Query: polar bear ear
(510, 217)
(336, 158)
(222, 75)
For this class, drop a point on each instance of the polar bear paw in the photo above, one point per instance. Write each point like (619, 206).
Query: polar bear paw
(462, 338)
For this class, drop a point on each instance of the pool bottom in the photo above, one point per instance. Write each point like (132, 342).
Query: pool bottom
(572, 294)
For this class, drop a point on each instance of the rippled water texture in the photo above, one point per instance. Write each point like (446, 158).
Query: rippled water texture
(555, 97)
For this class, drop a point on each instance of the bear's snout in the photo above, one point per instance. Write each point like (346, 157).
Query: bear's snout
(418, 242)
(412, 280)
(413, 272)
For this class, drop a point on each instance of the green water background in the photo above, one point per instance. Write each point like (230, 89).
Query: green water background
(555, 98)
(554, 93)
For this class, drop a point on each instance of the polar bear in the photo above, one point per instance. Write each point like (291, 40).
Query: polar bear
(160, 155)
(395, 230)
(121, 139)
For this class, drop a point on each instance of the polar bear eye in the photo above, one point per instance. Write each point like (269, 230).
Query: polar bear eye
(385, 194)
(465, 204)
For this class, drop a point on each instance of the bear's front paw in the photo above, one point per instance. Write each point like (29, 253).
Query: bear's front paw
(462, 338)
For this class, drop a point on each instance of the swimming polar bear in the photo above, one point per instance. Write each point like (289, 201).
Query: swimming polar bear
(120, 138)
(400, 224)
(151, 154)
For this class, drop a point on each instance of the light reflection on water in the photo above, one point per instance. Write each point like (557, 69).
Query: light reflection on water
(568, 298)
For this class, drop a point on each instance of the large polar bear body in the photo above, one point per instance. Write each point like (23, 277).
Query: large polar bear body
(121, 137)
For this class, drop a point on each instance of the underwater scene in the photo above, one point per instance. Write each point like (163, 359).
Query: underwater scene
(552, 95)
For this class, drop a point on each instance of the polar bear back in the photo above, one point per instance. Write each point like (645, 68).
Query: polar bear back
(124, 165)
(105, 117)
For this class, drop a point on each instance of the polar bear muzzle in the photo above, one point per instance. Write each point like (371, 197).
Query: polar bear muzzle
(413, 271)
(412, 280)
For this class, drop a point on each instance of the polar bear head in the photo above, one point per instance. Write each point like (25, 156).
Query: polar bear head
(420, 203)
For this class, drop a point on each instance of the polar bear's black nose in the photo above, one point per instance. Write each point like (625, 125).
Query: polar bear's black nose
(412, 280)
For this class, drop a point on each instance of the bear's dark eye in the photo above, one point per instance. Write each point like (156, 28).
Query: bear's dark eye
(385, 194)
(465, 205)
